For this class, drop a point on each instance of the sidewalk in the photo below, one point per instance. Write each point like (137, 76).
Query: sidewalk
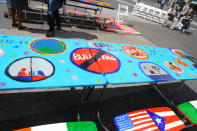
(38, 30)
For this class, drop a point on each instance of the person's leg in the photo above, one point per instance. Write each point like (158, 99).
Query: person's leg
(51, 23)
(174, 24)
(184, 26)
(20, 19)
(58, 19)
(13, 15)
(166, 20)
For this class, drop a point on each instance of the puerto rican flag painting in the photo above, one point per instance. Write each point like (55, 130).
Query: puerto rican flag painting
(153, 119)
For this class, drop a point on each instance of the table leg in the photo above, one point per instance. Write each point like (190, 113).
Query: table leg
(177, 90)
(99, 107)
(169, 101)
(155, 86)
(84, 98)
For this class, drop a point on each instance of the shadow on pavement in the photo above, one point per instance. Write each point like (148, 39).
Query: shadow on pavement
(65, 34)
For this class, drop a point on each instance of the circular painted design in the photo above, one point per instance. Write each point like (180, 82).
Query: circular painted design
(154, 71)
(173, 67)
(47, 46)
(95, 60)
(135, 52)
(30, 69)
(181, 62)
(178, 53)
(1, 52)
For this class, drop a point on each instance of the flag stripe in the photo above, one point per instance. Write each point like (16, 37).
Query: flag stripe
(151, 129)
(173, 124)
(138, 117)
(51, 127)
(144, 120)
(142, 126)
(25, 129)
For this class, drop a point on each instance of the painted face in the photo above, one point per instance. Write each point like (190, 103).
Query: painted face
(135, 52)
(173, 67)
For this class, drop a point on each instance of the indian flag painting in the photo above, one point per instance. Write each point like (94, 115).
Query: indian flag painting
(69, 126)
(161, 118)
(189, 110)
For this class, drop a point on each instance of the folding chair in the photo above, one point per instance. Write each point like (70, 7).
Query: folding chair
(68, 126)
(137, 9)
(123, 13)
(144, 11)
(150, 13)
(162, 16)
(157, 14)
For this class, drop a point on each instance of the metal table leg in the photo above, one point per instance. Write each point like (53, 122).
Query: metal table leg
(169, 101)
(99, 107)
(84, 98)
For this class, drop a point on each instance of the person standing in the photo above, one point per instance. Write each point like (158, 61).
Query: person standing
(17, 7)
(186, 9)
(163, 2)
(54, 16)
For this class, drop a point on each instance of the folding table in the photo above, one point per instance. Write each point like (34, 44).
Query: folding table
(30, 62)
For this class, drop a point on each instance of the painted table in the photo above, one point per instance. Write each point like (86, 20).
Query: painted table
(96, 3)
(30, 62)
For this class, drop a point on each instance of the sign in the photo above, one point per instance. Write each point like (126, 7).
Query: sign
(135, 52)
(154, 71)
(95, 60)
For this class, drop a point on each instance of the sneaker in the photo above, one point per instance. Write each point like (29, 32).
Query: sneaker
(164, 25)
(59, 28)
(15, 25)
(172, 28)
(21, 27)
(50, 33)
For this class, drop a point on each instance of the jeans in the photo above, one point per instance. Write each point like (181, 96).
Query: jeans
(52, 18)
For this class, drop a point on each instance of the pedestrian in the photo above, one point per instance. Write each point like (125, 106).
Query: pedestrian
(170, 15)
(186, 9)
(163, 2)
(16, 8)
(176, 17)
(54, 16)
(186, 20)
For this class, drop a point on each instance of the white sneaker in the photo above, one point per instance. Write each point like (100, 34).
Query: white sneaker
(172, 28)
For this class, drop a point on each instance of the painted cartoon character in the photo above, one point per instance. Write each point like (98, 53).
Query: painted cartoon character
(156, 69)
(174, 67)
(23, 72)
(180, 53)
(135, 52)
(151, 71)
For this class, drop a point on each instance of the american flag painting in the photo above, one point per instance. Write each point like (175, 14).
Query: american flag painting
(153, 119)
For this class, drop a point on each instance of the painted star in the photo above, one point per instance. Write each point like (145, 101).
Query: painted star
(158, 120)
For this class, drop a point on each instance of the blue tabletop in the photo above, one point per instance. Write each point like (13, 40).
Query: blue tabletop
(142, 64)
(31, 62)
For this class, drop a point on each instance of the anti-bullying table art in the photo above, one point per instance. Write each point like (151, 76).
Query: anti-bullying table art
(31, 62)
